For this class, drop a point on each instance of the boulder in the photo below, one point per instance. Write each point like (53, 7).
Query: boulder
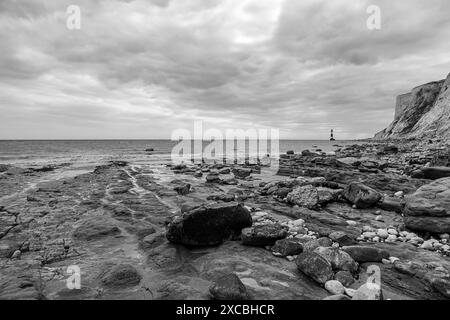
(224, 171)
(391, 204)
(241, 173)
(366, 253)
(315, 266)
(316, 243)
(428, 209)
(229, 287)
(311, 197)
(209, 224)
(304, 196)
(361, 195)
(263, 235)
(432, 173)
(288, 247)
(183, 190)
(340, 260)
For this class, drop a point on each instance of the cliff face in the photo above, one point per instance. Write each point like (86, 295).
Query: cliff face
(424, 112)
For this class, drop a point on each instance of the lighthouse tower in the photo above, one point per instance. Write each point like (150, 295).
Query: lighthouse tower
(332, 136)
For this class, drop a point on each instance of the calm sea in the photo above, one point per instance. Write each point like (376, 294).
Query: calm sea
(89, 153)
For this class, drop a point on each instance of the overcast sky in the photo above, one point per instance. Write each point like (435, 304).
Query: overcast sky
(140, 69)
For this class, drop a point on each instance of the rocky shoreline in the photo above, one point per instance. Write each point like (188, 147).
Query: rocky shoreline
(367, 222)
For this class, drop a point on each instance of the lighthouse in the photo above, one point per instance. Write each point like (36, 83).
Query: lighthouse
(332, 136)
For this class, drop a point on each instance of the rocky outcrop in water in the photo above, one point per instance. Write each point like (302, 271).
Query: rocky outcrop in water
(424, 112)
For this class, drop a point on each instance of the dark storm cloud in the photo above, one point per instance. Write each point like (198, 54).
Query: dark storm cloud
(144, 68)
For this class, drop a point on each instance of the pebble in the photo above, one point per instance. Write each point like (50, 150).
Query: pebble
(351, 223)
(369, 235)
(290, 258)
(427, 245)
(382, 233)
(399, 194)
(350, 292)
(385, 261)
(379, 218)
(16, 254)
(334, 287)
(393, 259)
(298, 222)
(393, 232)
(391, 238)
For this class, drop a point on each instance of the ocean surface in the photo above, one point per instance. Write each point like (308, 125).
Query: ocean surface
(90, 153)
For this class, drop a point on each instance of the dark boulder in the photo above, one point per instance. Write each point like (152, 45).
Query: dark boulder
(432, 173)
(361, 195)
(209, 224)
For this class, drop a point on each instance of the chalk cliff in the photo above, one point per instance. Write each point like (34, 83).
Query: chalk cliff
(422, 113)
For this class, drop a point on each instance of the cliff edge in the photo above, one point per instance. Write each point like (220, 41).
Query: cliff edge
(422, 113)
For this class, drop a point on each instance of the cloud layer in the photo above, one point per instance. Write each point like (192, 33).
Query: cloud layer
(141, 69)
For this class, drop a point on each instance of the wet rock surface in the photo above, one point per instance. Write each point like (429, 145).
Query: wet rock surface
(317, 230)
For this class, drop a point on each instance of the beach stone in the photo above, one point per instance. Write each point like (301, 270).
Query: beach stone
(428, 209)
(229, 287)
(122, 275)
(344, 277)
(183, 190)
(366, 254)
(391, 204)
(288, 247)
(316, 243)
(94, 229)
(334, 287)
(225, 171)
(361, 195)
(209, 224)
(342, 238)
(315, 266)
(304, 196)
(340, 260)
(241, 173)
(263, 235)
(382, 233)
